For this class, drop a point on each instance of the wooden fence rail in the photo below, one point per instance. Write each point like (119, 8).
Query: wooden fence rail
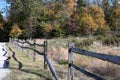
(44, 53)
(86, 72)
(51, 68)
(33, 47)
(71, 65)
(105, 57)
(40, 53)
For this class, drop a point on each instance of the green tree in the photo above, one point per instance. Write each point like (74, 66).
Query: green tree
(25, 13)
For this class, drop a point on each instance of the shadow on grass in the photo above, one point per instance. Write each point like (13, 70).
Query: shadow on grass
(32, 72)
(35, 73)
(14, 57)
(26, 71)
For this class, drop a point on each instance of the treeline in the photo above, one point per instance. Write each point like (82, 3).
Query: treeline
(4, 29)
(61, 18)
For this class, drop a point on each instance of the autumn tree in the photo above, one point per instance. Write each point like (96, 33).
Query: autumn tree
(60, 18)
(15, 32)
(56, 15)
(115, 21)
(98, 16)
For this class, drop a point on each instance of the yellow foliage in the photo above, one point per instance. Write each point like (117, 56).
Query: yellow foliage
(98, 16)
(16, 31)
(52, 6)
(48, 27)
(86, 19)
(96, 10)
(70, 3)
(51, 12)
(116, 13)
(59, 10)
(90, 19)
(52, 9)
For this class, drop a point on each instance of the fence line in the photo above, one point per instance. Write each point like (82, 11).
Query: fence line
(44, 53)
(71, 65)
(40, 53)
(71, 51)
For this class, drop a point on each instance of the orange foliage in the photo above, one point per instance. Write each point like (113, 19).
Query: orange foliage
(48, 27)
(15, 32)
(1, 26)
(70, 3)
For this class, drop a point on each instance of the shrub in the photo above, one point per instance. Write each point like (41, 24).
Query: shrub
(57, 31)
(83, 43)
(72, 28)
(63, 62)
(109, 40)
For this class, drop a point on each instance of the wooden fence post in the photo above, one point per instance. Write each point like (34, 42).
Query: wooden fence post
(70, 61)
(34, 51)
(17, 43)
(28, 51)
(14, 43)
(22, 46)
(45, 54)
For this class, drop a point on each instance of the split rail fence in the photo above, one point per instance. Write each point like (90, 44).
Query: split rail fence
(32, 46)
(71, 51)
(71, 66)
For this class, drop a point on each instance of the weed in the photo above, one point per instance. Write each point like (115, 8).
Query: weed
(63, 62)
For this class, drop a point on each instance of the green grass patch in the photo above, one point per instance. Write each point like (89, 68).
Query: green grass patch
(63, 62)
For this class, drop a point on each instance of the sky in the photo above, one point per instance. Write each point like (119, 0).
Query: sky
(3, 6)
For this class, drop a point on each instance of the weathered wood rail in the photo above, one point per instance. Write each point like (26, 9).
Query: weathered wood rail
(19, 43)
(71, 51)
